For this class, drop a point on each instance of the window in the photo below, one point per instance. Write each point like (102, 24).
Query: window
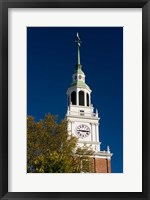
(73, 98)
(80, 77)
(75, 77)
(82, 112)
(81, 98)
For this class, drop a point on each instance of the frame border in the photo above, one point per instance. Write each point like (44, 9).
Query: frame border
(4, 6)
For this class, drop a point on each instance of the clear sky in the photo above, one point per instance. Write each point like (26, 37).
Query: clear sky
(51, 60)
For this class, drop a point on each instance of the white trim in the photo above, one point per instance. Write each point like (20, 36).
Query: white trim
(89, 142)
(85, 117)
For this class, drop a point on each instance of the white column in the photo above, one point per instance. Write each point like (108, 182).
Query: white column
(97, 136)
(89, 99)
(69, 99)
(98, 139)
(95, 132)
(91, 132)
(97, 147)
(69, 127)
(98, 132)
(68, 111)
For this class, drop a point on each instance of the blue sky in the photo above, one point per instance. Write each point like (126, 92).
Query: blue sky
(51, 60)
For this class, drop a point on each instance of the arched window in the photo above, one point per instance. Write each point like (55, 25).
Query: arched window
(81, 98)
(73, 98)
(87, 99)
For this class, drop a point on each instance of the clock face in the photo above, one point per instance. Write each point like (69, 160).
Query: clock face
(82, 131)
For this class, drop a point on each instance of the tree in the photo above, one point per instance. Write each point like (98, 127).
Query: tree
(51, 150)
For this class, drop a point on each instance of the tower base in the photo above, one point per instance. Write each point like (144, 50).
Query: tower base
(101, 165)
(101, 162)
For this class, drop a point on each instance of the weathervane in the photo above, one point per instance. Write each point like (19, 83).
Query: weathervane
(79, 44)
(78, 40)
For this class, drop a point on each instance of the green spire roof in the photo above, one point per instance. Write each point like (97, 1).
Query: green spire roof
(80, 84)
(78, 69)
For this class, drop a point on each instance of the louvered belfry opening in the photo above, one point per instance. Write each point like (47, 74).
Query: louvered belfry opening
(73, 98)
(87, 99)
(81, 98)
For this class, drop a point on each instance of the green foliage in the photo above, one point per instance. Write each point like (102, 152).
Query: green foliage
(51, 150)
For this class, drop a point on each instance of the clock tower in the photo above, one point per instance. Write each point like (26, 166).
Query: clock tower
(83, 122)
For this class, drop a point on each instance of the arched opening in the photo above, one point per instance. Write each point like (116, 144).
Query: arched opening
(87, 99)
(81, 98)
(73, 98)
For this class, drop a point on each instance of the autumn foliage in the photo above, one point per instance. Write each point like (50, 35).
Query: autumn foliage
(51, 150)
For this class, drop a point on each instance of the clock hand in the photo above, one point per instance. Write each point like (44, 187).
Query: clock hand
(84, 131)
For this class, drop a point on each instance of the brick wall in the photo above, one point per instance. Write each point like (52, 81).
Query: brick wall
(101, 165)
